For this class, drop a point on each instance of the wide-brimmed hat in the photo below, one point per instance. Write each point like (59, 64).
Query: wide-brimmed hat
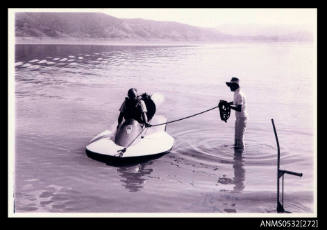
(234, 80)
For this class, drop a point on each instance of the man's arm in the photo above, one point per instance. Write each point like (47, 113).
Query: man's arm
(121, 114)
(238, 108)
(145, 118)
(120, 118)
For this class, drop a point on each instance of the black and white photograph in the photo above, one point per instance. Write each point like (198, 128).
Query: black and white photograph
(162, 112)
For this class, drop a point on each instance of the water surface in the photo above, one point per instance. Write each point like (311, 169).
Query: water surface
(66, 94)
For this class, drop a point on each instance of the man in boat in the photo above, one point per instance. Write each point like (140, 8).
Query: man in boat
(133, 108)
(239, 105)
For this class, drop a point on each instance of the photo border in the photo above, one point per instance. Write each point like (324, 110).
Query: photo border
(11, 157)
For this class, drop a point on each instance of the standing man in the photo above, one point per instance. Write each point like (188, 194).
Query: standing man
(239, 105)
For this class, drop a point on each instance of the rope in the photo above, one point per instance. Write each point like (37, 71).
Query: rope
(122, 151)
(183, 118)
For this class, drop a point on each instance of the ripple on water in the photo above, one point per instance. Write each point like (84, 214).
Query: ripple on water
(18, 63)
(26, 65)
(34, 60)
(42, 61)
(208, 149)
(51, 198)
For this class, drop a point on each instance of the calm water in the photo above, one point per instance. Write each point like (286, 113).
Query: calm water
(66, 94)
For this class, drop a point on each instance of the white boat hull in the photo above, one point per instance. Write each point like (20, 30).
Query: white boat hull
(152, 141)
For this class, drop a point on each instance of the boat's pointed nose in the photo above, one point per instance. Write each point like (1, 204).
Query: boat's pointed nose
(128, 133)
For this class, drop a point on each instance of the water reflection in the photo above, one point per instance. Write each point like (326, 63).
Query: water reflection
(239, 171)
(133, 177)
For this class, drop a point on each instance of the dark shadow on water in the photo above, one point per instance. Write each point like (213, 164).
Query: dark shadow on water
(239, 172)
(132, 171)
(133, 177)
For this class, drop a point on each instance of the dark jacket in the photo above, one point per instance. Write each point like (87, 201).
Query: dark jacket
(133, 109)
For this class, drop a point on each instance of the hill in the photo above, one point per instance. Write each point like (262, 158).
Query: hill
(84, 26)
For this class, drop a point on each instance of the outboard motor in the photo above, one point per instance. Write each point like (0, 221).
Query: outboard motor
(150, 105)
(128, 132)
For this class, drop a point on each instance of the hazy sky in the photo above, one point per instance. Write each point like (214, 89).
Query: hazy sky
(214, 17)
(208, 17)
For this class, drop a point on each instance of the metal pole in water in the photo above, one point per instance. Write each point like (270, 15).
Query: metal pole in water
(280, 173)
(279, 206)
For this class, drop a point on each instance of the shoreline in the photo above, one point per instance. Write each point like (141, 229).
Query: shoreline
(103, 42)
(50, 41)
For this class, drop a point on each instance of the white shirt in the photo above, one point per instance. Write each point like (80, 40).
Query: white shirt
(239, 99)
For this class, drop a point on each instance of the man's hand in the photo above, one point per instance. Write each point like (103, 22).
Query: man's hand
(147, 125)
(223, 101)
(238, 108)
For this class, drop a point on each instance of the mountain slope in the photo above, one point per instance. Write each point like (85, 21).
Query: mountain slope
(102, 26)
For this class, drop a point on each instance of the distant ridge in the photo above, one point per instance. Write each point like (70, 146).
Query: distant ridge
(83, 26)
